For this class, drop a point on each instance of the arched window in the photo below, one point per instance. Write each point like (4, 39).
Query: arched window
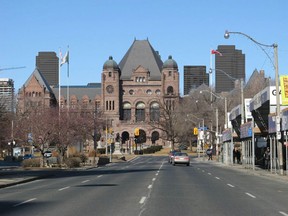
(140, 112)
(154, 112)
(154, 137)
(126, 111)
(170, 90)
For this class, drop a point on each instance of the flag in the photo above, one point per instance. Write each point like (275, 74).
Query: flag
(284, 89)
(64, 59)
(216, 52)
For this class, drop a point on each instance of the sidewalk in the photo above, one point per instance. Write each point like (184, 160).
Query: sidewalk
(247, 169)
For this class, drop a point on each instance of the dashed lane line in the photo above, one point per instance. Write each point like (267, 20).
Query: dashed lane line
(30, 200)
(230, 185)
(64, 188)
(142, 200)
(250, 195)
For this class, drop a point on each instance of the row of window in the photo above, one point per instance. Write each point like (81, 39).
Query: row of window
(140, 79)
(154, 111)
(33, 94)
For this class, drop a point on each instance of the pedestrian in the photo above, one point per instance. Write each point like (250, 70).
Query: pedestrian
(266, 157)
(209, 153)
(238, 156)
(234, 155)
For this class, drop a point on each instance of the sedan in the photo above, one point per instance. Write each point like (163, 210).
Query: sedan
(171, 155)
(181, 158)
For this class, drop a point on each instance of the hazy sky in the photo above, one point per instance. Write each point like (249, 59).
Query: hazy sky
(96, 29)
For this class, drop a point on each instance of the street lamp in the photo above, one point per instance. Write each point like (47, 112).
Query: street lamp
(275, 65)
(203, 134)
(225, 124)
(242, 93)
(225, 105)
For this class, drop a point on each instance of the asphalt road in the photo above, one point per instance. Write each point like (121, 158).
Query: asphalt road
(148, 186)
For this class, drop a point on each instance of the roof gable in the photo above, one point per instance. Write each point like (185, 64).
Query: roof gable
(36, 75)
(141, 53)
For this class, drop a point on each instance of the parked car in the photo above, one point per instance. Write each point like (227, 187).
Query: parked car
(28, 156)
(47, 154)
(171, 155)
(181, 158)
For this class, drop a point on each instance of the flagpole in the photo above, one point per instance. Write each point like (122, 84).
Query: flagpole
(68, 96)
(210, 76)
(59, 77)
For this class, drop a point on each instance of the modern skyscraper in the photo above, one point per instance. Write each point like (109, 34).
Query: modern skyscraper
(194, 76)
(7, 94)
(48, 64)
(229, 67)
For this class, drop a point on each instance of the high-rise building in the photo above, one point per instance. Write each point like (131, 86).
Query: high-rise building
(229, 67)
(48, 64)
(194, 76)
(7, 94)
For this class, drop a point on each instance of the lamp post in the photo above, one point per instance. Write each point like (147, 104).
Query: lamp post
(225, 105)
(203, 129)
(275, 65)
(225, 123)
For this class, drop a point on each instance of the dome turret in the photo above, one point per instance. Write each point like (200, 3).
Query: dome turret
(110, 63)
(170, 63)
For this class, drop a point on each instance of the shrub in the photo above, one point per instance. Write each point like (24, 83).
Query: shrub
(33, 162)
(73, 162)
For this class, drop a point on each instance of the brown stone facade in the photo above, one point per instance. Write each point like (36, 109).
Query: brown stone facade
(126, 103)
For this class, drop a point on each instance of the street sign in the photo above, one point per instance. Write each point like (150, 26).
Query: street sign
(201, 128)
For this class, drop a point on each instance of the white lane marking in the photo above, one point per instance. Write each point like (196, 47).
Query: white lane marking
(231, 185)
(156, 174)
(142, 200)
(30, 200)
(209, 173)
(150, 186)
(63, 188)
(203, 170)
(283, 213)
(153, 179)
(85, 181)
(217, 178)
(99, 176)
(250, 195)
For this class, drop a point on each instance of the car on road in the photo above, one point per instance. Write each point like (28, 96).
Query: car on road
(171, 155)
(181, 158)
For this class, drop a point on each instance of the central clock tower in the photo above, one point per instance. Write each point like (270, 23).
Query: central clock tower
(111, 89)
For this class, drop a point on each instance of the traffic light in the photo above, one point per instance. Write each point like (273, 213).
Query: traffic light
(195, 131)
(136, 132)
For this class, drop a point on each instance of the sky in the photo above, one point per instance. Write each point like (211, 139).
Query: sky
(97, 29)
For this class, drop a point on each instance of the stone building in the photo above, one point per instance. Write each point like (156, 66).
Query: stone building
(128, 95)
